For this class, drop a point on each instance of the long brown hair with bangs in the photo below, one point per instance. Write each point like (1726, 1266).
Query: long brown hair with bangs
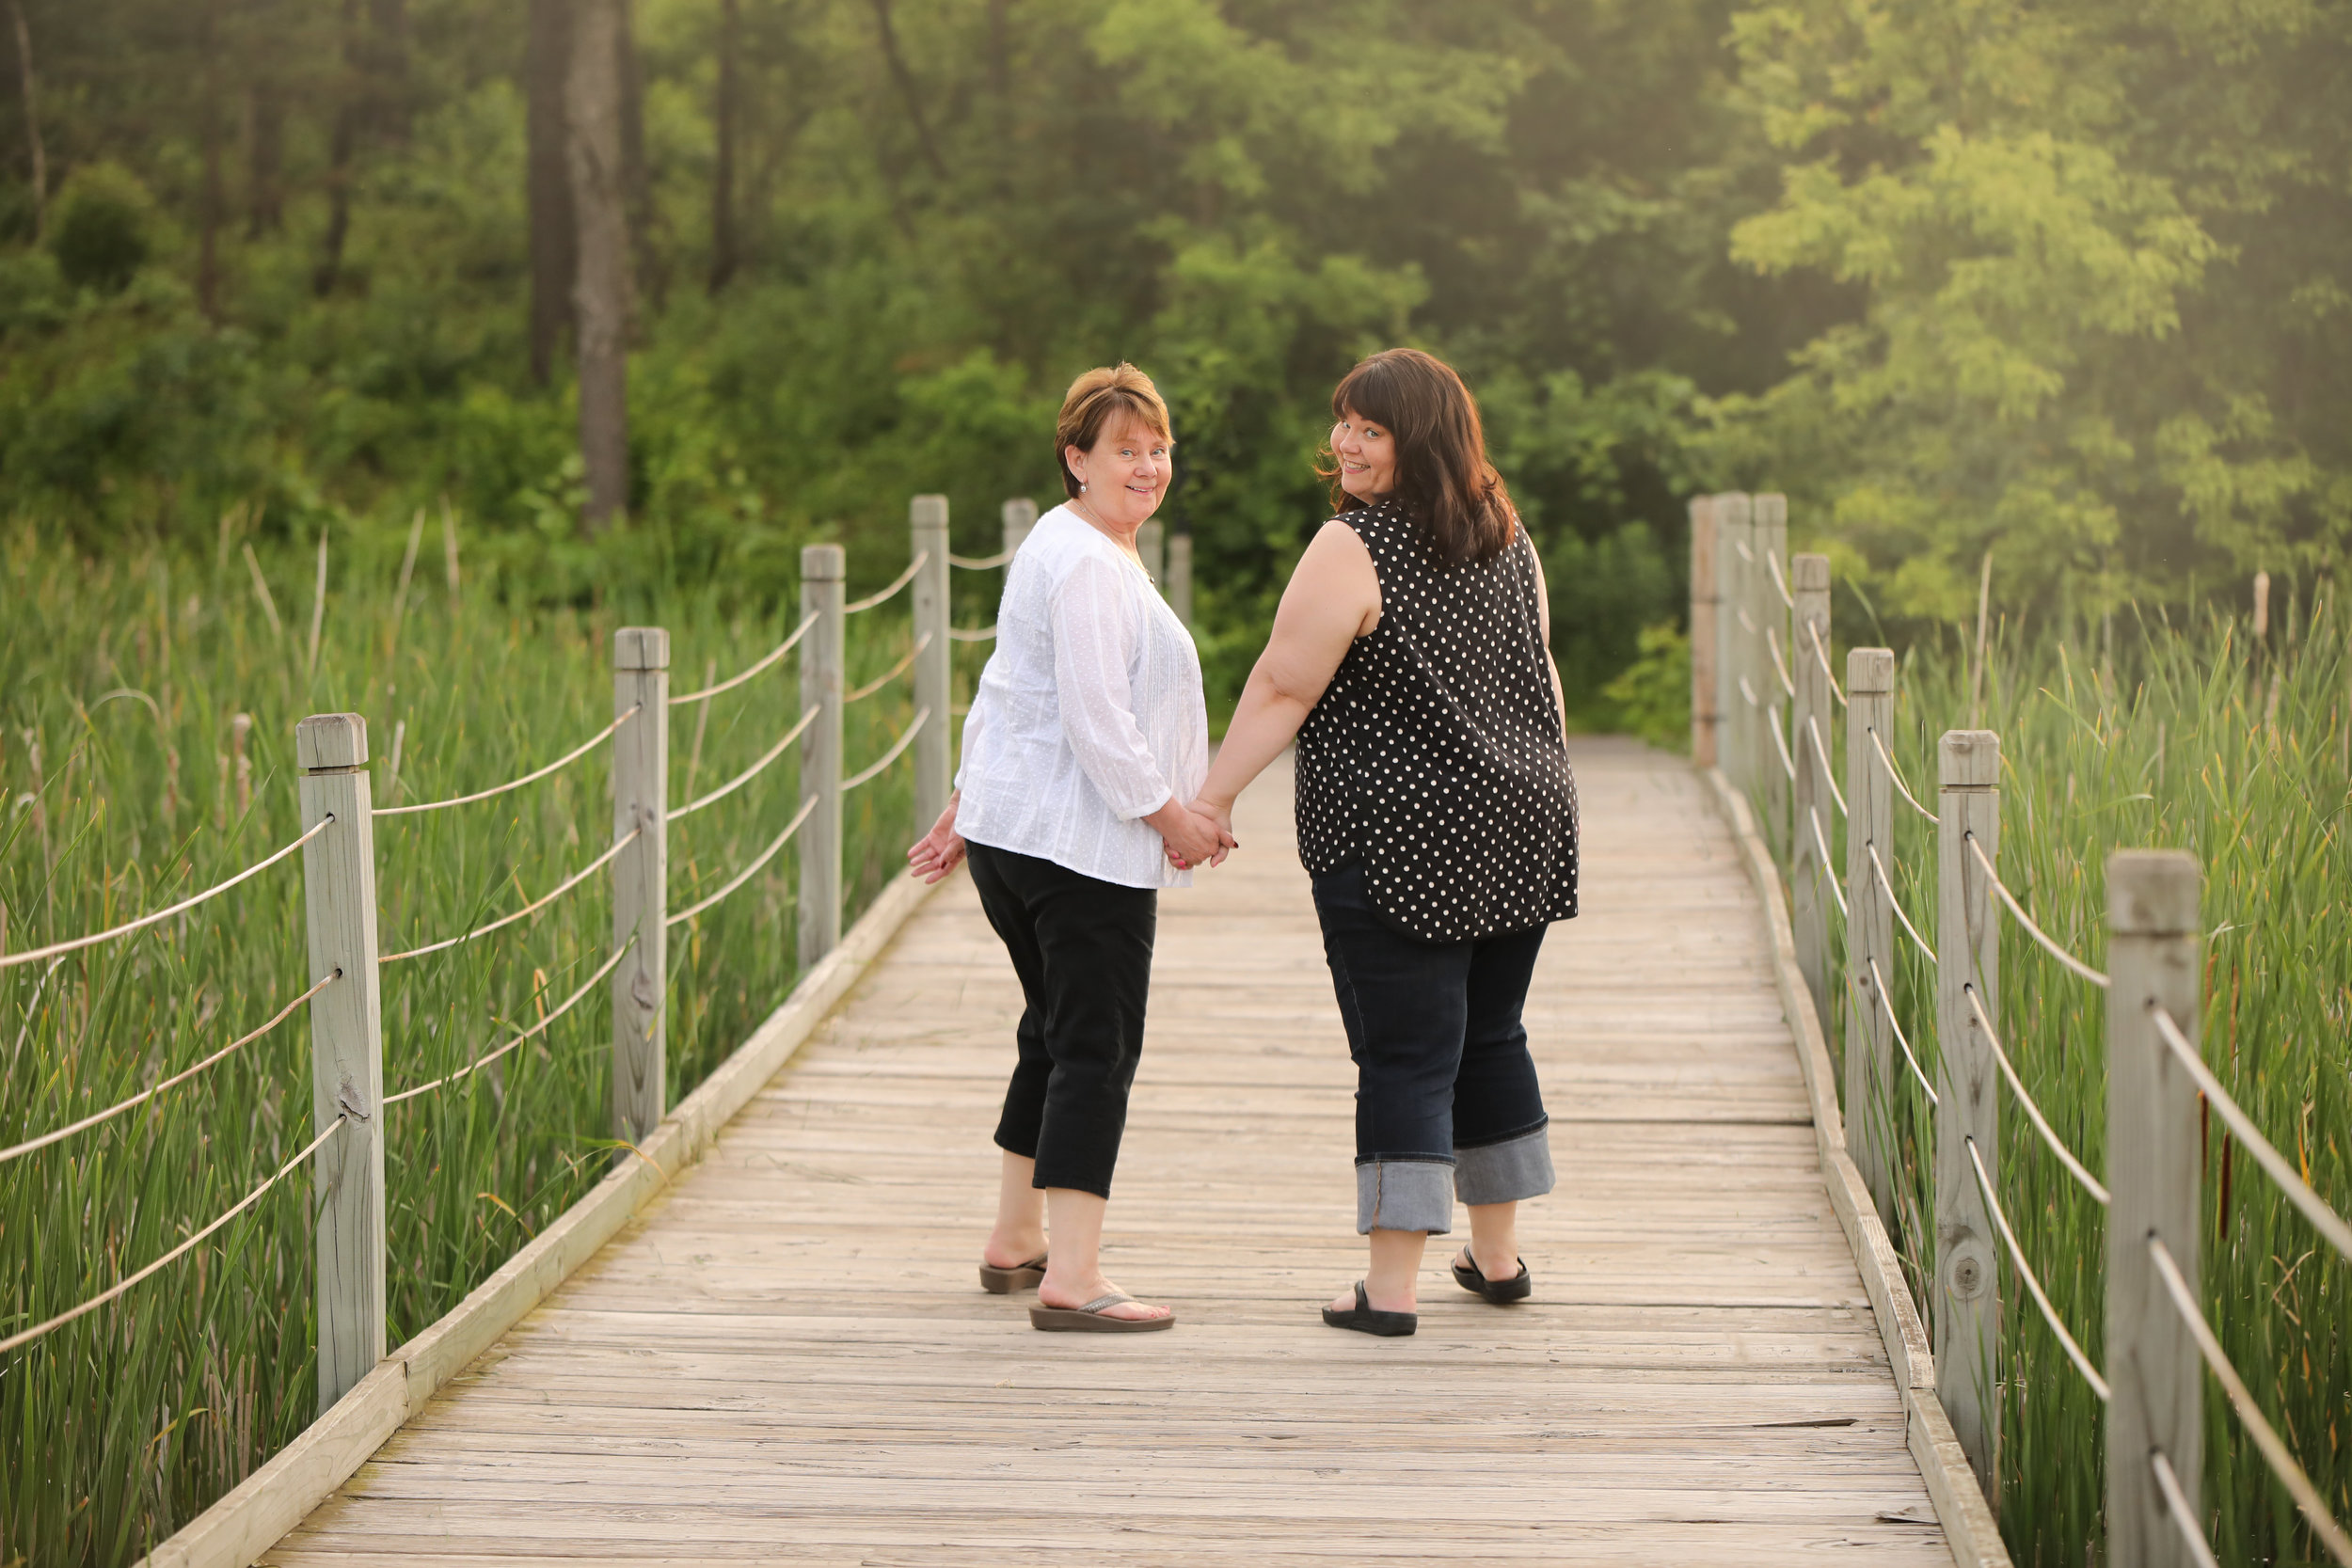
(1441, 467)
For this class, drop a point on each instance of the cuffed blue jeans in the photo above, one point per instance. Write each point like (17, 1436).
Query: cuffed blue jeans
(1447, 1104)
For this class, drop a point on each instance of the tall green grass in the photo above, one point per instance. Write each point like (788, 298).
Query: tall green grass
(120, 684)
(2149, 733)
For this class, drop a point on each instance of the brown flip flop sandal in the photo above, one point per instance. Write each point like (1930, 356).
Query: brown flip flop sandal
(1090, 1319)
(1020, 1277)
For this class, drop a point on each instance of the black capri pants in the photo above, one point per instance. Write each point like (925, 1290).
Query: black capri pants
(1082, 947)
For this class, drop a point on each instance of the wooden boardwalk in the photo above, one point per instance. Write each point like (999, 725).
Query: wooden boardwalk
(788, 1357)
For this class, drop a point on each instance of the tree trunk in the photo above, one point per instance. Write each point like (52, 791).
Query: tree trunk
(554, 240)
(27, 83)
(388, 60)
(341, 148)
(212, 201)
(636, 176)
(265, 159)
(592, 114)
(908, 90)
(722, 168)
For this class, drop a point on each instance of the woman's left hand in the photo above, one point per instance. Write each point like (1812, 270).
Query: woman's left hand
(938, 852)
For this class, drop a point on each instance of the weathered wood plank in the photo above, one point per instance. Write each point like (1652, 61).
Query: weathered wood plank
(787, 1351)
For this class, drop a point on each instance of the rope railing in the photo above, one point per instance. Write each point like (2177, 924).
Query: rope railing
(904, 664)
(533, 777)
(1820, 653)
(1788, 762)
(2177, 1508)
(2033, 1283)
(979, 562)
(764, 661)
(1821, 839)
(2075, 1167)
(1895, 775)
(1879, 866)
(1780, 579)
(1887, 1005)
(27, 1336)
(1829, 774)
(181, 1077)
(973, 634)
(871, 600)
(2324, 1219)
(2061, 953)
(1780, 667)
(1748, 693)
(1747, 621)
(750, 871)
(905, 738)
(533, 908)
(34, 954)
(486, 1058)
(2258, 1426)
(753, 771)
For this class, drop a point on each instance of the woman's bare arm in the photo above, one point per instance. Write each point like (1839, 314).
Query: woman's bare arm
(1333, 598)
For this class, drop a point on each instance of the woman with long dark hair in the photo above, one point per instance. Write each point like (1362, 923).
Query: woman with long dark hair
(1437, 813)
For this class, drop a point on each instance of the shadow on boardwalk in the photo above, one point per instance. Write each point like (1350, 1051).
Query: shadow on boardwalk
(788, 1359)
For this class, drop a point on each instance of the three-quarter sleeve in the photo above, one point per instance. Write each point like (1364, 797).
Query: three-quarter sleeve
(1095, 632)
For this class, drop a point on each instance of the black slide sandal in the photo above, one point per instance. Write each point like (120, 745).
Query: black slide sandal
(1366, 1318)
(1020, 1277)
(1500, 1292)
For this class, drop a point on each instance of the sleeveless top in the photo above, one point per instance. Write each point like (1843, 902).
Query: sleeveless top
(1434, 759)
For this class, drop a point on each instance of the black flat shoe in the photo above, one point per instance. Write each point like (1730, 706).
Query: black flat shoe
(1500, 1292)
(1365, 1319)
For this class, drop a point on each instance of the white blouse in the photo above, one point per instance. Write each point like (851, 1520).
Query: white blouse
(1089, 716)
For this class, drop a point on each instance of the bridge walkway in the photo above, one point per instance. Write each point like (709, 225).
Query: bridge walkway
(786, 1357)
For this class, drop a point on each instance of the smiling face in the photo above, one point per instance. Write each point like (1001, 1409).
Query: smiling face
(1126, 474)
(1367, 454)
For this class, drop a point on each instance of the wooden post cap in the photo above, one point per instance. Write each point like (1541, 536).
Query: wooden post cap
(641, 648)
(823, 563)
(927, 511)
(331, 740)
(1770, 508)
(2153, 893)
(1871, 670)
(1971, 759)
(1020, 512)
(1808, 573)
(1735, 507)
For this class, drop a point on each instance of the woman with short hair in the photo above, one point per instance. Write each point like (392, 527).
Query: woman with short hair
(1437, 813)
(1086, 738)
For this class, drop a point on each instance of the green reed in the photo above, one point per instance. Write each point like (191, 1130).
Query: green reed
(2144, 733)
(130, 782)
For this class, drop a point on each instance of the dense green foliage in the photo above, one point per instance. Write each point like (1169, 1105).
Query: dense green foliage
(130, 785)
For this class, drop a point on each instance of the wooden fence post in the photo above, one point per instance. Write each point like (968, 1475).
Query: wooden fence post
(2155, 1149)
(1151, 544)
(1019, 515)
(1813, 811)
(346, 1048)
(641, 878)
(823, 571)
(927, 528)
(1771, 617)
(1705, 603)
(1735, 536)
(1870, 1072)
(1180, 576)
(1968, 1105)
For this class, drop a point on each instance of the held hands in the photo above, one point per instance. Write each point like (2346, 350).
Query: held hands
(1193, 836)
(941, 851)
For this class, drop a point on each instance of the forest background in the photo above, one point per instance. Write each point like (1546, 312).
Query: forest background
(2072, 280)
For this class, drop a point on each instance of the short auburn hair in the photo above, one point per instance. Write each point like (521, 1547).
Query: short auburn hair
(1442, 473)
(1094, 400)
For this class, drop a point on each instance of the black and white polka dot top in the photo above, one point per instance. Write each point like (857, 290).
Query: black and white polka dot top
(1435, 758)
